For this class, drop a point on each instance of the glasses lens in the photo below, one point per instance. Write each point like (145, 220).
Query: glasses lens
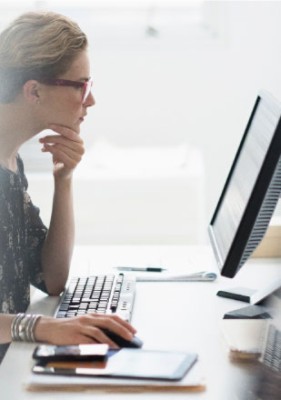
(87, 88)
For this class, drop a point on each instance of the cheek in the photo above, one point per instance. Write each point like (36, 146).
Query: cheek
(66, 105)
(71, 104)
(62, 114)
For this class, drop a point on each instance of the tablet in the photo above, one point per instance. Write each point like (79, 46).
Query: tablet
(127, 363)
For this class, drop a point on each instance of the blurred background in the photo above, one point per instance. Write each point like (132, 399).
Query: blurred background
(174, 82)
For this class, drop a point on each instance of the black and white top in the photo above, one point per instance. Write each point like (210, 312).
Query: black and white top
(22, 234)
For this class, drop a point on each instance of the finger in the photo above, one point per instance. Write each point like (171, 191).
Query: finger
(57, 139)
(60, 156)
(94, 333)
(124, 323)
(118, 319)
(65, 131)
(65, 145)
(57, 149)
(100, 337)
(114, 326)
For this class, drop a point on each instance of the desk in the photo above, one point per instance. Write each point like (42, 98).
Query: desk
(183, 316)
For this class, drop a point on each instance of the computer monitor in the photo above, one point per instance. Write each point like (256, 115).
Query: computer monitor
(251, 191)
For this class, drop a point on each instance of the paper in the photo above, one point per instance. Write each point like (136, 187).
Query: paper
(202, 276)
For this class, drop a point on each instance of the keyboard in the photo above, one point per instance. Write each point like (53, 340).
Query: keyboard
(267, 383)
(271, 356)
(103, 294)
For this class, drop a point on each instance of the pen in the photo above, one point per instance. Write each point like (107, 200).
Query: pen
(143, 269)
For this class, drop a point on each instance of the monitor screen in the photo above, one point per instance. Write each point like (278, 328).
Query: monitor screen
(252, 189)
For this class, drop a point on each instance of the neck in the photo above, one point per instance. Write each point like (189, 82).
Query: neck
(15, 129)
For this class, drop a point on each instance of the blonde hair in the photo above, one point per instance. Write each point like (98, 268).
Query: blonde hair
(37, 45)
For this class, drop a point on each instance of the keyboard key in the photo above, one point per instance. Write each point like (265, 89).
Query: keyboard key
(100, 294)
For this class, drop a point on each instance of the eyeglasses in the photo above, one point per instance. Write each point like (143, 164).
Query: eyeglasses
(86, 86)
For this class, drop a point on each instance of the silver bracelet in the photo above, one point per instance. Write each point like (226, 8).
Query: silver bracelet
(15, 326)
(23, 326)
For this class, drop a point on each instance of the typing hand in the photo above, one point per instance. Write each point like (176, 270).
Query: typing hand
(85, 329)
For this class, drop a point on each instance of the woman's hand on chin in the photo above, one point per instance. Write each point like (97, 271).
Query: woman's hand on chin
(66, 147)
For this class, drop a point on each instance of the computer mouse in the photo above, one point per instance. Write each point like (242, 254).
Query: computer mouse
(121, 342)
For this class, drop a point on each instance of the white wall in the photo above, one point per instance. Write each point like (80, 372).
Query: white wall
(194, 85)
(201, 92)
(196, 89)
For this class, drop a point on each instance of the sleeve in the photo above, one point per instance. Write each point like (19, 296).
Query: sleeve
(35, 234)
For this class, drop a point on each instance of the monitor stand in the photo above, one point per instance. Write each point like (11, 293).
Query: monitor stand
(239, 293)
(252, 296)
(249, 312)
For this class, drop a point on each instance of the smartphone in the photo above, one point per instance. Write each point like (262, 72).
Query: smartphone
(82, 352)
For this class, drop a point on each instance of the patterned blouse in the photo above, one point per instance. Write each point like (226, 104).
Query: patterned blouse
(22, 234)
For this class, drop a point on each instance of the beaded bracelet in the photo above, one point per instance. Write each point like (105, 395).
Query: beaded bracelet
(23, 326)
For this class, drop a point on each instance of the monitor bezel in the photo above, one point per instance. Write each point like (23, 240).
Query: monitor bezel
(231, 264)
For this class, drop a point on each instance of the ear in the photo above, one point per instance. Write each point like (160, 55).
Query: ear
(31, 91)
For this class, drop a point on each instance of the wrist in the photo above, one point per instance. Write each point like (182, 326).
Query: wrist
(41, 330)
(23, 327)
(65, 179)
(62, 173)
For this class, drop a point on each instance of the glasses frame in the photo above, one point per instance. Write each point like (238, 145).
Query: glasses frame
(86, 85)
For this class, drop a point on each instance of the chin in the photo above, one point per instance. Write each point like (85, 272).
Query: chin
(77, 128)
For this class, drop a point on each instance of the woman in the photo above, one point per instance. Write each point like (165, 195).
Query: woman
(44, 84)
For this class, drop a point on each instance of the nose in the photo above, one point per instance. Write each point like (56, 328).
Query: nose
(90, 100)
